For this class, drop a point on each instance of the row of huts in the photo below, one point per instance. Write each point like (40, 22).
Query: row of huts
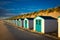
(43, 24)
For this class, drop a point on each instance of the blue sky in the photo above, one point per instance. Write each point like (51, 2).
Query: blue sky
(16, 7)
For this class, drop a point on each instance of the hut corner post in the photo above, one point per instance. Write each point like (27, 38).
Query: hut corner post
(59, 27)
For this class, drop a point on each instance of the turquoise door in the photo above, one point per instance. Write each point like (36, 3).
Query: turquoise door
(18, 23)
(38, 25)
(25, 23)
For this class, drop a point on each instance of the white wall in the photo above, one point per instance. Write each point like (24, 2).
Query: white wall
(16, 22)
(58, 27)
(20, 22)
(27, 23)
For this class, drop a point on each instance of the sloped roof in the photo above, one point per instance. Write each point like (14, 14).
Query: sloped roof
(22, 18)
(59, 17)
(47, 17)
(30, 18)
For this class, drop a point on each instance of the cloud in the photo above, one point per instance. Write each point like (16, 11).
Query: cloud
(5, 2)
(22, 13)
(5, 13)
(17, 11)
(32, 9)
(24, 0)
(10, 14)
(13, 9)
(23, 9)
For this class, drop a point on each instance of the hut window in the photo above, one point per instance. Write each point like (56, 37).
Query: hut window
(39, 22)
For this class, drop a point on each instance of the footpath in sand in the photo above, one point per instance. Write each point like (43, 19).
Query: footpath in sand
(4, 33)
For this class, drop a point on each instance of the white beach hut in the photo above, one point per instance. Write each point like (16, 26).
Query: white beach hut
(28, 23)
(45, 24)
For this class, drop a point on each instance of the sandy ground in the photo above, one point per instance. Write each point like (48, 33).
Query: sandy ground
(9, 32)
(4, 33)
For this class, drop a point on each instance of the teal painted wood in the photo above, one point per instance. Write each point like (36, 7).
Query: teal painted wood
(25, 23)
(18, 23)
(38, 25)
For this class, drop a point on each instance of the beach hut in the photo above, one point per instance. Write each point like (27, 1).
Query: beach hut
(18, 22)
(14, 21)
(28, 23)
(45, 24)
(59, 26)
(22, 22)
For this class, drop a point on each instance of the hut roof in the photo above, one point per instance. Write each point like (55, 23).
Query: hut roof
(30, 18)
(47, 17)
(59, 17)
(22, 18)
(17, 19)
